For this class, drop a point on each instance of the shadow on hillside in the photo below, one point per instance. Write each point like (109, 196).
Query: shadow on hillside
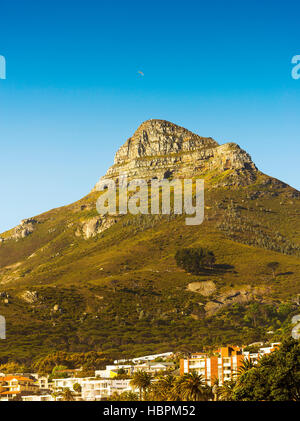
(285, 273)
(224, 267)
(217, 269)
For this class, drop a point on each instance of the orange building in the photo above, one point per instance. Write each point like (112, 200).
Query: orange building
(223, 365)
(12, 386)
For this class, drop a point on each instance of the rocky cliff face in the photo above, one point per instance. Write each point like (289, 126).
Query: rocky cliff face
(160, 149)
(25, 228)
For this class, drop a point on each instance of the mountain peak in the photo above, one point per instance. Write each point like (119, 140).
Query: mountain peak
(163, 126)
(159, 147)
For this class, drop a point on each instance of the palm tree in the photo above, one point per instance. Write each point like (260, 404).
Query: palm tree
(124, 396)
(162, 389)
(56, 395)
(129, 396)
(67, 395)
(246, 365)
(226, 390)
(142, 381)
(192, 387)
(114, 397)
(216, 389)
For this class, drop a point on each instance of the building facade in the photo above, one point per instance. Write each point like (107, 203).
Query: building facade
(101, 389)
(224, 364)
(129, 369)
(14, 386)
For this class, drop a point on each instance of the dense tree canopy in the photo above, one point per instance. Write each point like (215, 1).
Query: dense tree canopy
(194, 260)
(275, 378)
(88, 361)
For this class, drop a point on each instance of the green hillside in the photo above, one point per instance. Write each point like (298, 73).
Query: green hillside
(121, 291)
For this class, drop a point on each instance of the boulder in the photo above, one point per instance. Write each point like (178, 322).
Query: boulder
(205, 288)
(30, 297)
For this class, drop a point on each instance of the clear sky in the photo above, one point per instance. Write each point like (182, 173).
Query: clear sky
(73, 93)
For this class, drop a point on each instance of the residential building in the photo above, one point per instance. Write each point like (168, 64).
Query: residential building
(223, 364)
(42, 382)
(13, 386)
(254, 356)
(60, 384)
(150, 367)
(38, 398)
(146, 358)
(101, 389)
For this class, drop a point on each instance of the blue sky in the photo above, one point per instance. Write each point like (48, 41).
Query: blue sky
(73, 94)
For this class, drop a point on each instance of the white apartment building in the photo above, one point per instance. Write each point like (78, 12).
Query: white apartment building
(101, 389)
(38, 398)
(60, 384)
(42, 381)
(254, 356)
(149, 367)
(146, 358)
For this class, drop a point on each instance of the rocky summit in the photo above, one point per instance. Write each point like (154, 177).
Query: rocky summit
(160, 149)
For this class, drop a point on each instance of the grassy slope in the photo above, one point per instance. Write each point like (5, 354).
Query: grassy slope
(122, 292)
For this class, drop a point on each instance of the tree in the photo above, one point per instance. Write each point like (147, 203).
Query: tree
(77, 388)
(67, 395)
(216, 389)
(276, 377)
(89, 361)
(192, 387)
(163, 388)
(246, 365)
(122, 374)
(194, 260)
(129, 396)
(12, 367)
(273, 266)
(253, 312)
(226, 390)
(58, 372)
(124, 396)
(56, 394)
(142, 381)
(208, 259)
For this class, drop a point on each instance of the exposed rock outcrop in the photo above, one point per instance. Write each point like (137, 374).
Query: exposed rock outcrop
(30, 297)
(227, 298)
(25, 228)
(205, 288)
(160, 149)
(95, 226)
